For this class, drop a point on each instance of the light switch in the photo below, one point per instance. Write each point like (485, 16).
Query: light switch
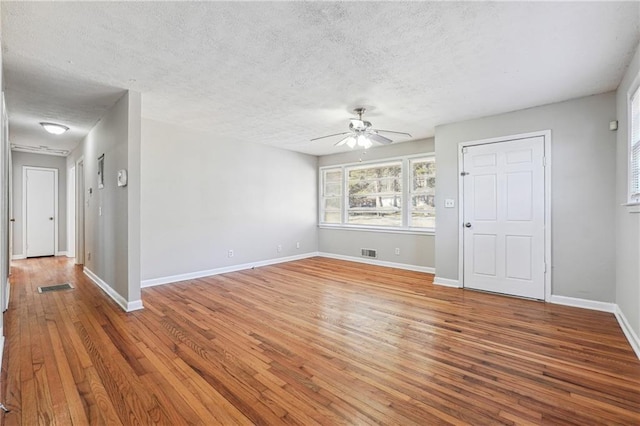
(449, 203)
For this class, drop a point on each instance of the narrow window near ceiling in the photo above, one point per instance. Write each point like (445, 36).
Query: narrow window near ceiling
(634, 148)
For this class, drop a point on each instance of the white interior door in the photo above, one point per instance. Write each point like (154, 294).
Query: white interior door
(504, 217)
(40, 211)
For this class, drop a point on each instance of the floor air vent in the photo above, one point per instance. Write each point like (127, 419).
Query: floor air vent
(369, 253)
(57, 287)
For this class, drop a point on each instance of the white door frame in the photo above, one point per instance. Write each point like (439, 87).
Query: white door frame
(546, 134)
(24, 207)
(80, 211)
(71, 211)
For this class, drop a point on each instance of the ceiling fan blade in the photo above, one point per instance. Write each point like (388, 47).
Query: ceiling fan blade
(349, 140)
(328, 136)
(391, 131)
(379, 138)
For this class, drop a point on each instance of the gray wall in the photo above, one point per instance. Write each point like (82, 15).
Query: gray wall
(20, 159)
(415, 249)
(582, 190)
(202, 197)
(112, 237)
(627, 224)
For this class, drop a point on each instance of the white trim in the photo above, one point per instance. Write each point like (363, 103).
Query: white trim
(24, 207)
(18, 256)
(405, 266)
(593, 305)
(61, 253)
(446, 282)
(6, 302)
(631, 336)
(380, 230)
(2, 347)
(633, 87)
(223, 270)
(546, 135)
(126, 306)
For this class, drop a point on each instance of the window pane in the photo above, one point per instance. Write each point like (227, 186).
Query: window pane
(375, 195)
(332, 189)
(334, 175)
(634, 145)
(423, 184)
(420, 220)
(332, 203)
(332, 217)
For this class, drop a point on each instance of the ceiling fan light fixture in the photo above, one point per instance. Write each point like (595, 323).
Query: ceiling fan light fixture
(54, 128)
(363, 141)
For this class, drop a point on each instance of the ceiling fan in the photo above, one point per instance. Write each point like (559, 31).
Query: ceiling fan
(361, 134)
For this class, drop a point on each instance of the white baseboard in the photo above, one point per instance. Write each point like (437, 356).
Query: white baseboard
(631, 336)
(376, 262)
(126, 306)
(69, 255)
(18, 257)
(61, 253)
(223, 270)
(447, 282)
(583, 303)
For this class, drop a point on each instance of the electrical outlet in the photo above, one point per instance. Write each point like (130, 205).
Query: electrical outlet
(298, 245)
(279, 248)
(397, 251)
(230, 253)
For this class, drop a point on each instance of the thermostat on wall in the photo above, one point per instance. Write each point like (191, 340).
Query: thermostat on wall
(122, 177)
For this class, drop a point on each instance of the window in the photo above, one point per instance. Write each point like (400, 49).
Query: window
(331, 196)
(396, 194)
(423, 193)
(634, 148)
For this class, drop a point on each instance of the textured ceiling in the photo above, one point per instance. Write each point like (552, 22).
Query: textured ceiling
(285, 72)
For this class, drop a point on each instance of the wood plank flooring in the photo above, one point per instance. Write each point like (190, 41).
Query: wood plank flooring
(316, 341)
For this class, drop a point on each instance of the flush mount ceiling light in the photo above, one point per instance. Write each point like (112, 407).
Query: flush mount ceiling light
(53, 128)
(361, 134)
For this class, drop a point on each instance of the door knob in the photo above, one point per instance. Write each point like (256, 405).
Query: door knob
(51, 218)
(467, 225)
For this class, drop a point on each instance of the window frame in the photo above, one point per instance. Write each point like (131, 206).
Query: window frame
(633, 192)
(406, 175)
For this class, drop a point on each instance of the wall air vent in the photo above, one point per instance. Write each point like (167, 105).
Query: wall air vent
(369, 253)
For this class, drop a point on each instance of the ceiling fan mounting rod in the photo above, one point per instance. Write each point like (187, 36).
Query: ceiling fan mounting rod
(359, 111)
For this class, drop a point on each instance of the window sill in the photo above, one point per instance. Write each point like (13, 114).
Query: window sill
(411, 231)
(632, 207)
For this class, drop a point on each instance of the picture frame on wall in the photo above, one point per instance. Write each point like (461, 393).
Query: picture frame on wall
(101, 172)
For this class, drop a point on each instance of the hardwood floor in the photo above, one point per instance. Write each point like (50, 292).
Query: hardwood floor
(316, 341)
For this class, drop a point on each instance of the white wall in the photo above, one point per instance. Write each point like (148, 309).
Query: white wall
(20, 159)
(582, 190)
(202, 196)
(111, 249)
(627, 223)
(415, 249)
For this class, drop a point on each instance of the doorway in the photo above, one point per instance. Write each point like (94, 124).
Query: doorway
(40, 209)
(505, 216)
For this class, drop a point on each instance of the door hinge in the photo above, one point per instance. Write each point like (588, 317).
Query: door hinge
(544, 267)
(464, 173)
(544, 161)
